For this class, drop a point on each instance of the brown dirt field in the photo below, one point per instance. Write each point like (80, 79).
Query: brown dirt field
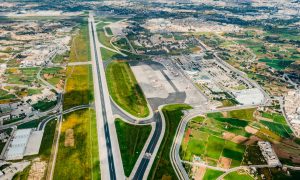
(251, 130)
(60, 85)
(239, 139)
(283, 153)
(69, 138)
(165, 177)
(198, 172)
(187, 135)
(228, 135)
(252, 140)
(48, 76)
(37, 170)
(224, 162)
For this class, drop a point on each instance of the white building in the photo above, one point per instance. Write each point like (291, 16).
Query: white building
(268, 153)
(18, 144)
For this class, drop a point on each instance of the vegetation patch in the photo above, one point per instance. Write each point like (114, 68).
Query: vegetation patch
(81, 160)
(80, 47)
(79, 86)
(277, 128)
(132, 139)
(277, 63)
(162, 167)
(125, 90)
(212, 174)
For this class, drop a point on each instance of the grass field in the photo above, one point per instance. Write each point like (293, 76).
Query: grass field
(125, 90)
(162, 168)
(80, 47)
(275, 117)
(214, 147)
(102, 37)
(44, 105)
(30, 124)
(277, 63)
(47, 141)
(21, 75)
(79, 86)
(131, 140)
(245, 114)
(107, 54)
(279, 129)
(81, 159)
(237, 176)
(211, 174)
(54, 74)
(108, 30)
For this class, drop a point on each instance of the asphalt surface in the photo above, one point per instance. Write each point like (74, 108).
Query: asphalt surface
(47, 119)
(150, 149)
(112, 170)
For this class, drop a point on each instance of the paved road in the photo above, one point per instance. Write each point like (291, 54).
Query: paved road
(140, 172)
(174, 154)
(42, 124)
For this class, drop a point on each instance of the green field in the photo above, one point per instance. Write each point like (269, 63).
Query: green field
(107, 54)
(21, 75)
(244, 114)
(237, 176)
(275, 116)
(279, 129)
(214, 147)
(79, 86)
(102, 37)
(80, 47)
(55, 74)
(277, 63)
(81, 159)
(44, 105)
(211, 174)
(204, 137)
(108, 30)
(125, 90)
(30, 124)
(234, 151)
(162, 167)
(47, 141)
(131, 140)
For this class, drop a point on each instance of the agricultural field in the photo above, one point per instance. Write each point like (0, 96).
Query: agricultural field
(78, 147)
(54, 75)
(5, 95)
(162, 167)
(229, 139)
(125, 90)
(237, 175)
(79, 86)
(80, 46)
(211, 174)
(132, 139)
(22, 76)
